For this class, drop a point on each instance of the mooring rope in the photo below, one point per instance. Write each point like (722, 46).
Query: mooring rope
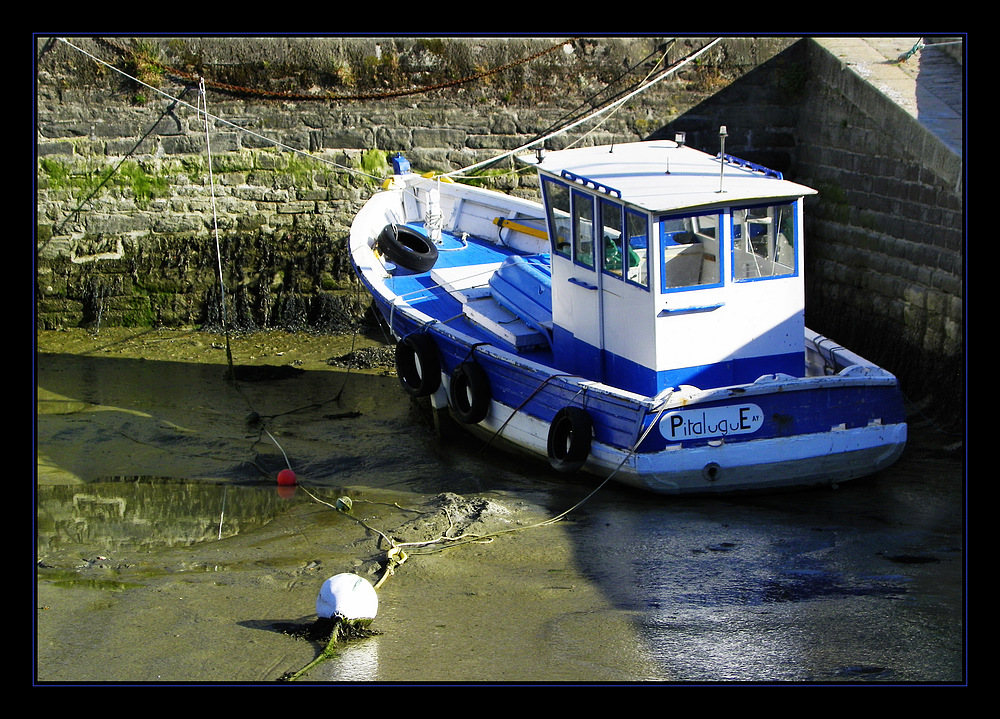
(75, 212)
(223, 313)
(203, 108)
(920, 45)
(609, 115)
(600, 111)
(396, 554)
(524, 403)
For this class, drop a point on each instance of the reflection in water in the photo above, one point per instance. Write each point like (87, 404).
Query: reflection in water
(100, 417)
(148, 513)
(354, 662)
(807, 586)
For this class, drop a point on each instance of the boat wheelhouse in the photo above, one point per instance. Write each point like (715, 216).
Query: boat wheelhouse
(673, 272)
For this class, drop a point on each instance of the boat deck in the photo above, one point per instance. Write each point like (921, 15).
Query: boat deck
(456, 291)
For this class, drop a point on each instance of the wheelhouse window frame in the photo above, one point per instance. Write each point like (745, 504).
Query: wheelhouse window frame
(690, 250)
(556, 196)
(612, 223)
(765, 240)
(584, 217)
(572, 228)
(637, 231)
(621, 260)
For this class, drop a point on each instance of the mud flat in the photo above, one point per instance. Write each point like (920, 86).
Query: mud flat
(166, 552)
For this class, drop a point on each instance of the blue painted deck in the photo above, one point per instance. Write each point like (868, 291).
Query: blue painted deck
(424, 294)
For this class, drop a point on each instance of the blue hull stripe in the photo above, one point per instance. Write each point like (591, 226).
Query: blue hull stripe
(616, 420)
(586, 360)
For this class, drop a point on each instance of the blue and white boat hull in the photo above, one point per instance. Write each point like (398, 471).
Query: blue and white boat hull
(840, 418)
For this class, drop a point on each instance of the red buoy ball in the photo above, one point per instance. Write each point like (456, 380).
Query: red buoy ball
(286, 478)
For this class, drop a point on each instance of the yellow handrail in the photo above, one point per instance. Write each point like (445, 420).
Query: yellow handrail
(518, 227)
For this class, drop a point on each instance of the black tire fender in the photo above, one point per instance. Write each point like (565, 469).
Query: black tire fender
(418, 364)
(469, 393)
(570, 435)
(407, 247)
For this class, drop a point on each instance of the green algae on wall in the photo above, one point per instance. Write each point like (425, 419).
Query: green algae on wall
(128, 176)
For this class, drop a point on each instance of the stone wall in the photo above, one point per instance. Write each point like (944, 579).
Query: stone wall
(884, 236)
(126, 217)
(886, 233)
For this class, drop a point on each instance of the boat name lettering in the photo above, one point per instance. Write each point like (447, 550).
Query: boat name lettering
(713, 422)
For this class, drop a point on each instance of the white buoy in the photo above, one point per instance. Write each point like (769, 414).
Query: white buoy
(347, 596)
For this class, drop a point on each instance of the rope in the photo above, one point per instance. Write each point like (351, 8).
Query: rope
(912, 51)
(354, 343)
(203, 101)
(521, 406)
(632, 450)
(600, 111)
(920, 45)
(608, 117)
(396, 554)
(203, 109)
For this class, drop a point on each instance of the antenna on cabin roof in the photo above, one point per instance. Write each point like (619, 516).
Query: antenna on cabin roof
(722, 156)
(679, 139)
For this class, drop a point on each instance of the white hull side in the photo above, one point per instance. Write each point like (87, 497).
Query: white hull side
(823, 458)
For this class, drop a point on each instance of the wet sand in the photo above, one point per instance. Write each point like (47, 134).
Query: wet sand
(228, 611)
(156, 608)
(166, 553)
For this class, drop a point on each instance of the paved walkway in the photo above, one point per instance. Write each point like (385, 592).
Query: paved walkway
(929, 84)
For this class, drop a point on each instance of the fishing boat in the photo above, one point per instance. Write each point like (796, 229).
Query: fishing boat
(644, 322)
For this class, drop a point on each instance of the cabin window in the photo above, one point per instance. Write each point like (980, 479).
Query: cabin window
(612, 216)
(637, 229)
(689, 251)
(557, 208)
(574, 225)
(624, 242)
(583, 229)
(764, 241)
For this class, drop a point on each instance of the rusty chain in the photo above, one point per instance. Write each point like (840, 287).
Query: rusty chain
(237, 90)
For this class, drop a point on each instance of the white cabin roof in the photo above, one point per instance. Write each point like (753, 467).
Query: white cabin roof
(663, 176)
